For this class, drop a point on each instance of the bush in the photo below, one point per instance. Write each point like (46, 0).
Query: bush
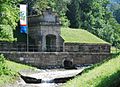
(3, 68)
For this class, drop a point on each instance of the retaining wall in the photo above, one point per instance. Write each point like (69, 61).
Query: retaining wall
(41, 59)
(87, 47)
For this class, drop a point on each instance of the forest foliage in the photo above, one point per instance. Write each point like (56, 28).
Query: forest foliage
(99, 17)
(8, 19)
(92, 15)
(58, 6)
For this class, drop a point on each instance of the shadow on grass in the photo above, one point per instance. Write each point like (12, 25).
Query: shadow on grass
(111, 81)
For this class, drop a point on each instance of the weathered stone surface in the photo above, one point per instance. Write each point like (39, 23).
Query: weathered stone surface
(40, 59)
(87, 47)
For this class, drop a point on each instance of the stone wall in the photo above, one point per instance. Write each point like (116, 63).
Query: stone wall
(41, 26)
(84, 47)
(40, 59)
(39, 33)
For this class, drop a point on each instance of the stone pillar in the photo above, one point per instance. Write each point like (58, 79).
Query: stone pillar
(56, 43)
(39, 46)
(63, 47)
(44, 43)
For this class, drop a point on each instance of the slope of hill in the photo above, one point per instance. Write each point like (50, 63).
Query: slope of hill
(13, 68)
(79, 36)
(105, 74)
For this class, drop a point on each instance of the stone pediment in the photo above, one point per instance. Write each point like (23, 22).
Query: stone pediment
(49, 16)
(46, 18)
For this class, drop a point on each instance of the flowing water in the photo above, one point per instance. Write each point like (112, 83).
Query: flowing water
(47, 77)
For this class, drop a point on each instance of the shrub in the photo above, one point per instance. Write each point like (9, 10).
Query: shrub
(3, 68)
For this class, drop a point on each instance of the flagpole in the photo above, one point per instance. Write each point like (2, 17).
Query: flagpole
(27, 41)
(27, 29)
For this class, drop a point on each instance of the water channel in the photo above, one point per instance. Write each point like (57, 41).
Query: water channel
(46, 78)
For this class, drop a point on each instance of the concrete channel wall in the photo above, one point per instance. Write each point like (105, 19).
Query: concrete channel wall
(44, 59)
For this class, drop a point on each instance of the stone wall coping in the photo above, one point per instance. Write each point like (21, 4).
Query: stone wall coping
(45, 24)
(57, 53)
(68, 43)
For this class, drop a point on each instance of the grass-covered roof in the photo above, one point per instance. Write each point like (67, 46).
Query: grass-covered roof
(79, 36)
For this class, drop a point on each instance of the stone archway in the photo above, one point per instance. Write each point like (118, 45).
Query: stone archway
(50, 43)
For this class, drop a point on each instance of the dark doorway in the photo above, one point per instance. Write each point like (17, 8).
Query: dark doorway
(50, 43)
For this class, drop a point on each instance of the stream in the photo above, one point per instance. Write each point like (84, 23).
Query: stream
(46, 78)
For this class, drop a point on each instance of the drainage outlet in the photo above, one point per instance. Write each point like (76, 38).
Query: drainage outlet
(68, 64)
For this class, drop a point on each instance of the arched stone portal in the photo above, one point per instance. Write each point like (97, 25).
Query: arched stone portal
(50, 43)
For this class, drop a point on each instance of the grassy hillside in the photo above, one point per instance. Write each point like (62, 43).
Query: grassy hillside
(79, 36)
(12, 75)
(106, 74)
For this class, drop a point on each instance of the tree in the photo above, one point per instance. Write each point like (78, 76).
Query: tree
(8, 19)
(115, 9)
(58, 6)
(86, 12)
(94, 16)
(116, 14)
(74, 14)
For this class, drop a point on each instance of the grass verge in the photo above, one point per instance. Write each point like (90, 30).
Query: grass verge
(114, 50)
(106, 74)
(13, 68)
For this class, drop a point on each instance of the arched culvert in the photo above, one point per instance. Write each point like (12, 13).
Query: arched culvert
(68, 64)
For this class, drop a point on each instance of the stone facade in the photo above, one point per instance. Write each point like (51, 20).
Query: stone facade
(78, 53)
(45, 30)
(87, 47)
(50, 46)
(45, 59)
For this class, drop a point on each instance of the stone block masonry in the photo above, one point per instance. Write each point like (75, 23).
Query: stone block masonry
(45, 59)
(87, 47)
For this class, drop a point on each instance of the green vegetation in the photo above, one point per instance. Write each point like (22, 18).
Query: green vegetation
(104, 74)
(79, 36)
(59, 6)
(9, 70)
(3, 68)
(114, 50)
(94, 16)
(8, 19)
(91, 15)
(115, 9)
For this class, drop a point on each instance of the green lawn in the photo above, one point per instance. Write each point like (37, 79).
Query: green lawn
(15, 68)
(79, 36)
(106, 74)
(114, 50)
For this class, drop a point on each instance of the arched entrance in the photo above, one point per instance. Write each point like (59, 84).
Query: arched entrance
(50, 43)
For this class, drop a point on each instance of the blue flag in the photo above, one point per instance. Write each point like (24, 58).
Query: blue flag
(23, 29)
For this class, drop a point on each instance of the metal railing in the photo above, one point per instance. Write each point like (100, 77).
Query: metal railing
(31, 48)
(50, 48)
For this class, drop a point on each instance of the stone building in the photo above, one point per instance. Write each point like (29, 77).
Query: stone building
(53, 46)
(45, 30)
(45, 35)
